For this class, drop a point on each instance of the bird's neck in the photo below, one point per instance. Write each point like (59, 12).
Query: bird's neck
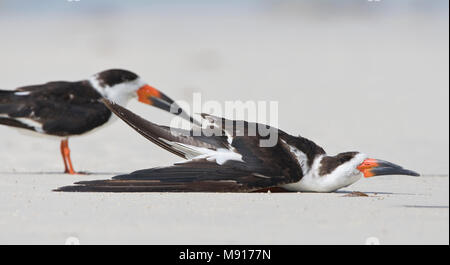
(114, 94)
(314, 180)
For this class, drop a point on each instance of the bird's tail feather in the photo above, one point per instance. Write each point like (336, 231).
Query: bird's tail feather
(4, 93)
(6, 96)
(10, 102)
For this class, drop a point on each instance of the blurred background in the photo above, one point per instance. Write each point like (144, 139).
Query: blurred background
(351, 75)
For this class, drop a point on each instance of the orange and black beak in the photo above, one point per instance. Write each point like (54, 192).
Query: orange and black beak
(376, 167)
(152, 96)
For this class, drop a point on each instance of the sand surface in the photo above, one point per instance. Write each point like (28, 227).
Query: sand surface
(398, 210)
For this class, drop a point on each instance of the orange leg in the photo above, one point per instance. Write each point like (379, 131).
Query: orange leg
(63, 144)
(65, 151)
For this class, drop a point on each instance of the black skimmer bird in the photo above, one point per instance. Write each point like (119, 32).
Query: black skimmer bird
(234, 161)
(65, 109)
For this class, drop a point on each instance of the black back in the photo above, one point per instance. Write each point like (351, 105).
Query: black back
(61, 108)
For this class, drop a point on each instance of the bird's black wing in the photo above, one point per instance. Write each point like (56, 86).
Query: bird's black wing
(167, 137)
(56, 108)
(193, 176)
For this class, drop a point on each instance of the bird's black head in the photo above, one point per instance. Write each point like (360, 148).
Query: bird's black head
(115, 76)
(352, 163)
(120, 85)
(329, 163)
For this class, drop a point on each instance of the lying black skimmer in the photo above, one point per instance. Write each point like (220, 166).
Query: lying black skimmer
(65, 109)
(234, 161)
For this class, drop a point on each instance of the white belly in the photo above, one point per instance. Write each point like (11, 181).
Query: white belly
(321, 184)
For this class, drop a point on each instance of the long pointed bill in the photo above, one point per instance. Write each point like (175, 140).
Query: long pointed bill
(151, 96)
(376, 167)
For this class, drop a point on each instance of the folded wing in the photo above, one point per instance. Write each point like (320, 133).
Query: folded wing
(193, 176)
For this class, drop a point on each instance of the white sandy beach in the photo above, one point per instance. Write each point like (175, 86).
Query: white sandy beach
(373, 82)
(399, 210)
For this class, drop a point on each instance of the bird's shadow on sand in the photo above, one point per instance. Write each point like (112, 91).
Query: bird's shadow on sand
(344, 192)
(372, 193)
(426, 206)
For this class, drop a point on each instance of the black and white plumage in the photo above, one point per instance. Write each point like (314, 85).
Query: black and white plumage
(56, 108)
(235, 161)
(65, 109)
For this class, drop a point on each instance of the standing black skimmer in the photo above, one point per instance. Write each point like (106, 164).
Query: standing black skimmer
(235, 162)
(65, 109)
